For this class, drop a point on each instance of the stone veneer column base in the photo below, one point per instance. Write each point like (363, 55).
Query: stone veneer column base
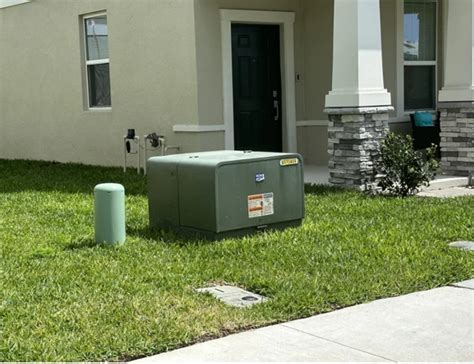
(353, 146)
(457, 138)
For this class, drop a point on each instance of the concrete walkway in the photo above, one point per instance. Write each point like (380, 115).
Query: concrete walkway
(316, 174)
(448, 192)
(434, 325)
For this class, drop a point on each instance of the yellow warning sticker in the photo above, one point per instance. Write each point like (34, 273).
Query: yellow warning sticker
(289, 162)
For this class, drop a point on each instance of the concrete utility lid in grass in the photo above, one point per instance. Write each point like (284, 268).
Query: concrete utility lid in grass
(234, 296)
(465, 245)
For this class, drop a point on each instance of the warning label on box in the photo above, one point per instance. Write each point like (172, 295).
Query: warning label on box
(260, 205)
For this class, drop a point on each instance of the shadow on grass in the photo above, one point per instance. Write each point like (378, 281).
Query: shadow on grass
(24, 175)
(324, 189)
(170, 237)
(167, 237)
(82, 244)
(149, 234)
(87, 243)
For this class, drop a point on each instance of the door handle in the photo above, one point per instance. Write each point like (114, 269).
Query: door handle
(276, 106)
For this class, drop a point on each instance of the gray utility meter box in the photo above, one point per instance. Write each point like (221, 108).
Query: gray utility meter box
(225, 193)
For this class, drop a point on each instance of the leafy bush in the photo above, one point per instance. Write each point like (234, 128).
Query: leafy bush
(404, 169)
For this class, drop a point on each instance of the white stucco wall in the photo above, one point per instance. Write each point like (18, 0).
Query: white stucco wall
(2, 93)
(152, 71)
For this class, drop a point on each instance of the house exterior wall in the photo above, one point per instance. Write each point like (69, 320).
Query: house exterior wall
(318, 40)
(209, 55)
(317, 75)
(313, 62)
(312, 139)
(152, 72)
(166, 75)
(2, 88)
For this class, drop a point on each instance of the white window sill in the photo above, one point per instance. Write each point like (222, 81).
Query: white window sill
(407, 113)
(99, 109)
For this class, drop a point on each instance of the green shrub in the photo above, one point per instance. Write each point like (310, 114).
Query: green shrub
(404, 169)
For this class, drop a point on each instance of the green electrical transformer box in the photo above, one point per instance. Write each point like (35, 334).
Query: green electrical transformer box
(225, 193)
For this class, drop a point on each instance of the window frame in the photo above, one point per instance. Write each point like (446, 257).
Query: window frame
(93, 62)
(420, 63)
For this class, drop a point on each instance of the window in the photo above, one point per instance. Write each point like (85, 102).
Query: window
(97, 61)
(420, 54)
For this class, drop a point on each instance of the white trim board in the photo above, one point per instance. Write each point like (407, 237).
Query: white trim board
(286, 21)
(7, 3)
(311, 123)
(198, 128)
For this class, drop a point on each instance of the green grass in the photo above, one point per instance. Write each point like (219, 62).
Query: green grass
(62, 297)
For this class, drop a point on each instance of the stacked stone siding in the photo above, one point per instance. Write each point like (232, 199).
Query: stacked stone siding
(354, 141)
(457, 138)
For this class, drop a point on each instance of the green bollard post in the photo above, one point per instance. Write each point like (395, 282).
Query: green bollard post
(109, 212)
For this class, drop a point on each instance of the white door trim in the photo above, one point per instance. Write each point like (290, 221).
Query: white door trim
(286, 21)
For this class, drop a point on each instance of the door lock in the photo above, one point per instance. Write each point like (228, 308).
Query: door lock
(276, 106)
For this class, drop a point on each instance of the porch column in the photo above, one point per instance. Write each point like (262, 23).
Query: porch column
(456, 98)
(358, 104)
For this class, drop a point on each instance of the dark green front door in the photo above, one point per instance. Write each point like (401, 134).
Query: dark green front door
(257, 87)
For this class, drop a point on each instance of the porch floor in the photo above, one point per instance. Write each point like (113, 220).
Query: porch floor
(442, 181)
(319, 174)
(316, 174)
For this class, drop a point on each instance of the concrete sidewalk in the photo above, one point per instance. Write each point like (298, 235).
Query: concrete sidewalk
(434, 325)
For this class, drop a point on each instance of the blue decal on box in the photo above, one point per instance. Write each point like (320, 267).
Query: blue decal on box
(259, 177)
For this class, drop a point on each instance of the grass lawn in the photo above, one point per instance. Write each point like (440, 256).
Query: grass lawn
(62, 297)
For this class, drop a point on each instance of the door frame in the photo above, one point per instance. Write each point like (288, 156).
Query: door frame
(286, 22)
